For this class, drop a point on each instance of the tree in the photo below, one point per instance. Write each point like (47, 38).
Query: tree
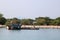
(27, 21)
(8, 22)
(47, 20)
(43, 20)
(2, 19)
(15, 20)
(40, 21)
(12, 21)
(1, 15)
(58, 21)
(55, 21)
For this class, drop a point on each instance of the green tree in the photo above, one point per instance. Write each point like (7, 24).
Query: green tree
(2, 19)
(15, 20)
(40, 21)
(58, 21)
(47, 20)
(27, 21)
(8, 22)
(1, 15)
(12, 21)
(55, 21)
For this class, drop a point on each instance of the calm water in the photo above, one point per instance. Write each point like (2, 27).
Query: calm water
(42, 34)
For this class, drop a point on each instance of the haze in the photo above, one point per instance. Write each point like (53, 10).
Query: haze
(30, 8)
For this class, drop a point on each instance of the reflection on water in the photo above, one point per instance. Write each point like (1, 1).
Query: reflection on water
(42, 34)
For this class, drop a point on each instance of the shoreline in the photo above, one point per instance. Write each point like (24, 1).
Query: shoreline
(41, 26)
(36, 26)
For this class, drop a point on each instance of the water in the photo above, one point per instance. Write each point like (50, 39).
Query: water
(41, 34)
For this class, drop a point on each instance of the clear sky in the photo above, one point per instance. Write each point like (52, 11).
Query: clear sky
(30, 8)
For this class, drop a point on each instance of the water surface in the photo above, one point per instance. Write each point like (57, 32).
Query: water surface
(41, 34)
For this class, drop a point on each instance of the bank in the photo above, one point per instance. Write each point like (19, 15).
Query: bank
(35, 26)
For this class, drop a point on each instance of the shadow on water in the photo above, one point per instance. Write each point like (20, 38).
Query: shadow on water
(29, 28)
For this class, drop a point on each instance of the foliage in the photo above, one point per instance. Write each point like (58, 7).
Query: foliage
(8, 22)
(42, 20)
(2, 19)
(1, 15)
(27, 21)
(12, 21)
(37, 21)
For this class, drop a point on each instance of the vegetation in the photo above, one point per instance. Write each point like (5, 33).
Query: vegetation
(2, 19)
(37, 21)
(27, 21)
(13, 21)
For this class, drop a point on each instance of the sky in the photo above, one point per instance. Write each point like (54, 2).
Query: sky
(30, 8)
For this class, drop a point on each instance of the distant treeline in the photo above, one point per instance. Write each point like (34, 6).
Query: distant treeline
(37, 21)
